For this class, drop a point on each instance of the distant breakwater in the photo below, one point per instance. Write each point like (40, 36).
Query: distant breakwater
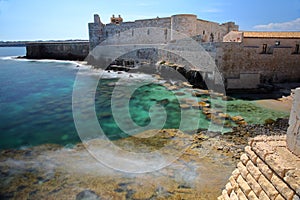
(58, 50)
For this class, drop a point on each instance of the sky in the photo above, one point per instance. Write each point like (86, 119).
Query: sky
(68, 19)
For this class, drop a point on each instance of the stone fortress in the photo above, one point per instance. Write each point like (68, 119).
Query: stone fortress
(247, 60)
(188, 24)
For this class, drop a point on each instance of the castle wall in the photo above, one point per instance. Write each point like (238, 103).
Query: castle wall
(57, 50)
(236, 59)
(186, 24)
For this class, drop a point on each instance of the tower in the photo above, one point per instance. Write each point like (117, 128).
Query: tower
(96, 32)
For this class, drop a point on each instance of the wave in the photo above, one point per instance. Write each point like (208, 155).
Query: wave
(84, 68)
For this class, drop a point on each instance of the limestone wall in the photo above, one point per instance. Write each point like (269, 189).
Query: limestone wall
(59, 51)
(293, 132)
(236, 59)
(267, 170)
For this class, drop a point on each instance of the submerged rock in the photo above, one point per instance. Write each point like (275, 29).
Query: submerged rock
(87, 195)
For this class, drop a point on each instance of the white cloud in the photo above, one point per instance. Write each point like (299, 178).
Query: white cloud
(293, 25)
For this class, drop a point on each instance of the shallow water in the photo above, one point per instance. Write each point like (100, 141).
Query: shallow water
(36, 103)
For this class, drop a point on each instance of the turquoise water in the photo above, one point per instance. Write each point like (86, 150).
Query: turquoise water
(36, 104)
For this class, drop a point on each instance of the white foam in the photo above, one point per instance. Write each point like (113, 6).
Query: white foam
(7, 58)
(85, 69)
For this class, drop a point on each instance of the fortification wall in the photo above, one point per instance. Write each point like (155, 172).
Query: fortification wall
(59, 51)
(235, 60)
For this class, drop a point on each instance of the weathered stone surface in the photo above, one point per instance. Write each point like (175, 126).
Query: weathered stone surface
(243, 185)
(233, 182)
(225, 195)
(296, 197)
(284, 190)
(293, 179)
(252, 196)
(233, 196)
(279, 197)
(264, 169)
(236, 173)
(256, 188)
(263, 196)
(243, 170)
(228, 188)
(241, 195)
(254, 171)
(262, 149)
(251, 154)
(293, 132)
(244, 159)
(267, 187)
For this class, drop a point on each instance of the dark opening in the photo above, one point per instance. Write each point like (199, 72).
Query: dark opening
(297, 49)
(264, 50)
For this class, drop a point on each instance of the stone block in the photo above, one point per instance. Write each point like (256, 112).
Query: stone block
(279, 197)
(293, 179)
(233, 183)
(252, 196)
(253, 170)
(267, 187)
(244, 158)
(276, 164)
(243, 185)
(235, 173)
(233, 196)
(228, 188)
(278, 143)
(284, 190)
(264, 169)
(256, 188)
(293, 132)
(263, 196)
(296, 197)
(291, 160)
(243, 170)
(262, 149)
(225, 195)
(241, 195)
(251, 154)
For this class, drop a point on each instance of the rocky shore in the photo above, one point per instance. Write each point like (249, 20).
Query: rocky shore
(54, 172)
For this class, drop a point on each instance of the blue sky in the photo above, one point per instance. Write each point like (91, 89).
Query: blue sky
(68, 19)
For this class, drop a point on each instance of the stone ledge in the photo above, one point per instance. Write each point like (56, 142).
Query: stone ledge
(268, 170)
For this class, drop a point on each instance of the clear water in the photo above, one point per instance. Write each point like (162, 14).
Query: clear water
(36, 104)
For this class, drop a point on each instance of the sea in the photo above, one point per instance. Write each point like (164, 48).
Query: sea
(37, 103)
